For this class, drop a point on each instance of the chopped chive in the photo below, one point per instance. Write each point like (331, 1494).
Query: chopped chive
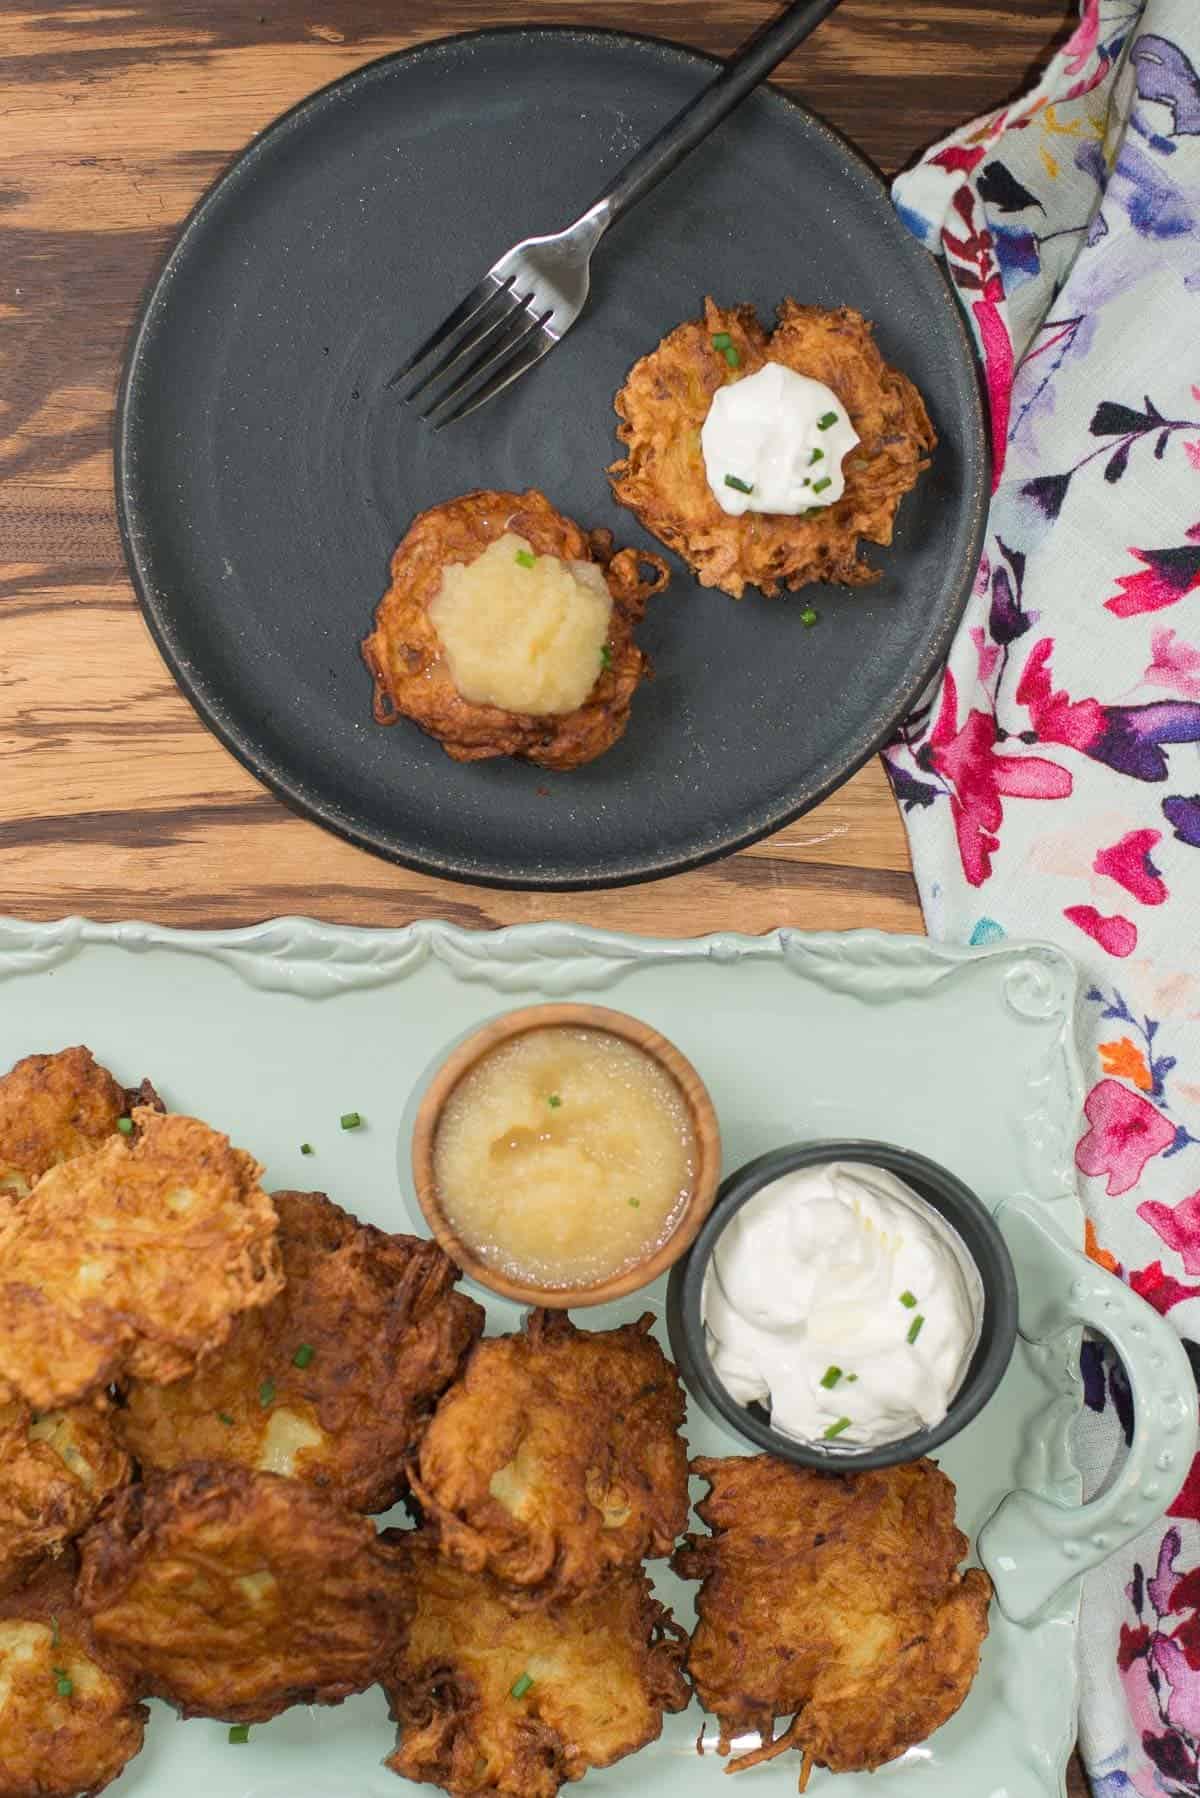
(909, 1300)
(225, 1418)
(826, 420)
(850, 1378)
(522, 1686)
(732, 480)
(62, 1681)
(809, 616)
(306, 1148)
(636, 1203)
(125, 1126)
(914, 1328)
(303, 1355)
(526, 558)
(835, 1429)
(55, 1637)
(825, 481)
(818, 455)
(351, 1120)
(722, 340)
(239, 1732)
(554, 1101)
(266, 1393)
(605, 656)
(732, 357)
(830, 1378)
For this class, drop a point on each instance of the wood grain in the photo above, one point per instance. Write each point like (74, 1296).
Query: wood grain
(113, 798)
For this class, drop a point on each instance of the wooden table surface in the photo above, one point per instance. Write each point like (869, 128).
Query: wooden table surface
(114, 800)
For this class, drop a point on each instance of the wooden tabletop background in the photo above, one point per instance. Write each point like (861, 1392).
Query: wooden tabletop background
(114, 800)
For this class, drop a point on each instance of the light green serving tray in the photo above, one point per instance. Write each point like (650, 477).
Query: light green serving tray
(967, 1055)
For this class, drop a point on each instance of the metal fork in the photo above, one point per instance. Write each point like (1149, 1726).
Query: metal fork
(528, 301)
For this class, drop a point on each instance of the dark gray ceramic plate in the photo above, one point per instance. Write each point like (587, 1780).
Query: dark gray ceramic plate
(264, 472)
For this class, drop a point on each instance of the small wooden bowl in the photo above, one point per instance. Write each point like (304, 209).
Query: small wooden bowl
(587, 1017)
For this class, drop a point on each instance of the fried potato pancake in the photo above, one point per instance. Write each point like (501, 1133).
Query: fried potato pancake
(557, 1458)
(334, 1380)
(234, 1594)
(69, 1721)
(662, 479)
(56, 1470)
(52, 1108)
(132, 1259)
(833, 1599)
(514, 1706)
(404, 653)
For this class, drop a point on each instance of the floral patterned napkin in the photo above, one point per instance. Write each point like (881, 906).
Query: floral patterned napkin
(1051, 782)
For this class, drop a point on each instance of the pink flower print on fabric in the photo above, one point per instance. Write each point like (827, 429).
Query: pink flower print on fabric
(1126, 1132)
(965, 756)
(1116, 936)
(1176, 665)
(1168, 576)
(1160, 1289)
(1076, 724)
(1128, 863)
(1178, 1226)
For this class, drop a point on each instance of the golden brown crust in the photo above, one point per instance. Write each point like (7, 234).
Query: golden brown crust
(404, 653)
(835, 1599)
(593, 1677)
(54, 1476)
(235, 1594)
(662, 479)
(557, 1458)
(131, 1260)
(52, 1108)
(54, 1743)
(383, 1333)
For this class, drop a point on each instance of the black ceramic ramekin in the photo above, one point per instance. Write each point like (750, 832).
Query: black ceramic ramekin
(940, 1189)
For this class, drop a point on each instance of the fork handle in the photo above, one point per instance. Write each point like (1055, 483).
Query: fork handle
(751, 65)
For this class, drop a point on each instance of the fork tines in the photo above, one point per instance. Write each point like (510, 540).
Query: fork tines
(490, 338)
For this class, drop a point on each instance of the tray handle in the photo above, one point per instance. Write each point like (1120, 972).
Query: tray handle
(1032, 1547)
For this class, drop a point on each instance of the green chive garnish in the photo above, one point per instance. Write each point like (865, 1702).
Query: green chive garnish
(732, 480)
(554, 1101)
(722, 340)
(306, 1148)
(825, 481)
(62, 1681)
(826, 420)
(732, 357)
(818, 455)
(830, 1378)
(909, 1300)
(225, 1418)
(303, 1355)
(914, 1328)
(850, 1378)
(125, 1126)
(526, 558)
(239, 1732)
(54, 1633)
(266, 1393)
(351, 1120)
(522, 1686)
(636, 1203)
(809, 616)
(835, 1429)
(605, 656)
